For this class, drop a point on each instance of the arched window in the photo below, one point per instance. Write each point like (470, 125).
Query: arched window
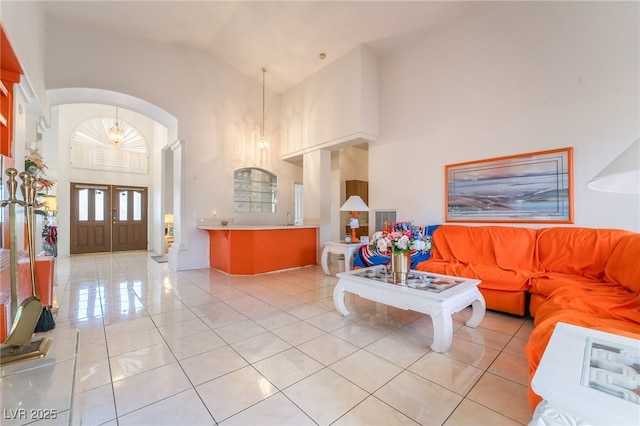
(90, 147)
(254, 191)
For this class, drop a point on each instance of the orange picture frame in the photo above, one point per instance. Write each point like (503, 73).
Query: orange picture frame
(535, 188)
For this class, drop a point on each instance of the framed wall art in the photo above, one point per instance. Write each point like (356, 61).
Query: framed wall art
(535, 188)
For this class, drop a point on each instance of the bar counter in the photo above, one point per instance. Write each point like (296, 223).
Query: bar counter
(256, 249)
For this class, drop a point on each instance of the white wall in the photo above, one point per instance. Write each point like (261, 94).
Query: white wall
(317, 203)
(218, 112)
(517, 78)
(333, 107)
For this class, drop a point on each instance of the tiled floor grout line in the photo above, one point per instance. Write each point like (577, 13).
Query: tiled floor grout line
(178, 361)
(486, 371)
(73, 379)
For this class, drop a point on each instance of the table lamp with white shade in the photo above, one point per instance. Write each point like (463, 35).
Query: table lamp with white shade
(50, 203)
(622, 175)
(354, 205)
(168, 221)
(50, 207)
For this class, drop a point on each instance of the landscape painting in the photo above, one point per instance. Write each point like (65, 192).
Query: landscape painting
(534, 187)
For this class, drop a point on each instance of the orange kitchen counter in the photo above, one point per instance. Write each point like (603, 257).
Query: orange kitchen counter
(255, 249)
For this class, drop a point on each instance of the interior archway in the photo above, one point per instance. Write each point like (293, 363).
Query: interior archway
(164, 190)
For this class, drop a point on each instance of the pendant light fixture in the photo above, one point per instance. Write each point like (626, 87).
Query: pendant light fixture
(263, 143)
(116, 135)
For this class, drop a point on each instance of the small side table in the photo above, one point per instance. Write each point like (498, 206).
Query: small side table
(168, 240)
(587, 377)
(339, 247)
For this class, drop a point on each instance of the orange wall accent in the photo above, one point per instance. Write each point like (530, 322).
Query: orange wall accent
(10, 72)
(250, 252)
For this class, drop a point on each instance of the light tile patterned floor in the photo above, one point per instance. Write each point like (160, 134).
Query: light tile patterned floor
(160, 347)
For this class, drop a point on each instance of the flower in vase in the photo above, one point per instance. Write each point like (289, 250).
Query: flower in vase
(401, 237)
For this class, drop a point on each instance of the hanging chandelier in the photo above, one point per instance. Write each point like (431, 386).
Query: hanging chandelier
(116, 134)
(263, 143)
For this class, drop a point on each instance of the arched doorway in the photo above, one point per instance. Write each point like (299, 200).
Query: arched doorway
(158, 192)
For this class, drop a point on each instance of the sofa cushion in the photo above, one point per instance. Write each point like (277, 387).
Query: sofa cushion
(509, 248)
(577, 251)
(492, 277)
(603, 300)
(546, 283)
(623, 267)
(502, 290)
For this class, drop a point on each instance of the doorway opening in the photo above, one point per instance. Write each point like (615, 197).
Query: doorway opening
(106, 218)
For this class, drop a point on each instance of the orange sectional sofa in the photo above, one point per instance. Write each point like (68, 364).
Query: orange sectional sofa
(583, 276)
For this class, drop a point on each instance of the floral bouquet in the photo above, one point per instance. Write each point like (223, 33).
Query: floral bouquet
(34, 164)
(401, 237)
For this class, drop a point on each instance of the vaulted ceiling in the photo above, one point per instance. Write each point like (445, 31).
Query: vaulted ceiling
(287, 37)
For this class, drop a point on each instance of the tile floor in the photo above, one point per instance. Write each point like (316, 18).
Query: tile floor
(137, 343)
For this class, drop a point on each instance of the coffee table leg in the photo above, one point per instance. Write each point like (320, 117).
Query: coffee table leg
(478, 309)
(442, 332)
(338, 299)
(324, 260)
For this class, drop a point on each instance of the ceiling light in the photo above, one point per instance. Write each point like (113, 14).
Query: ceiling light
(263, 143)
(116, 135)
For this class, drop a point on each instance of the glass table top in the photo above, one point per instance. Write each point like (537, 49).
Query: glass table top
(415, 279)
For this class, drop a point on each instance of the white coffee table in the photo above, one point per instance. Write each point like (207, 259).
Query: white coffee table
(439, 296)
(588, 377)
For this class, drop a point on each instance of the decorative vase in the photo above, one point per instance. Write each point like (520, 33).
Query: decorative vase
(400, 266)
